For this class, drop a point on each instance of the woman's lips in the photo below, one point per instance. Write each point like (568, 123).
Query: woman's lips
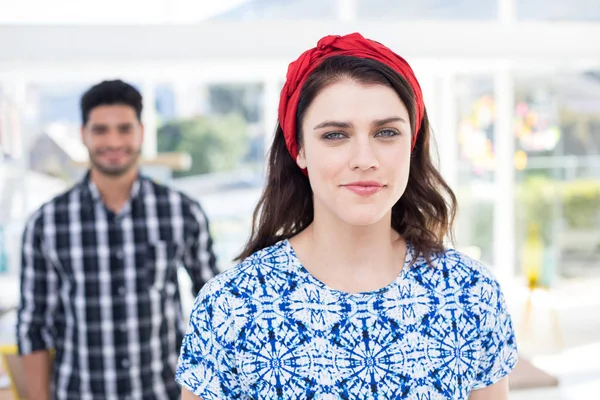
(364, 188)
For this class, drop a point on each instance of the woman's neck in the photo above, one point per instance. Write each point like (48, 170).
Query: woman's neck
(351, 258)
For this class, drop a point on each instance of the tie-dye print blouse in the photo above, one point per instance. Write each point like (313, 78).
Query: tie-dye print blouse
(268, 329)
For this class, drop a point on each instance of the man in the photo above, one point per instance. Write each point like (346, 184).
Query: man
(99, 262)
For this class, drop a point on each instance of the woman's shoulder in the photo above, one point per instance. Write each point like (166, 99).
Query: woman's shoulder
(454, 267)
(247, 274)
(461, 261)
(456, 279)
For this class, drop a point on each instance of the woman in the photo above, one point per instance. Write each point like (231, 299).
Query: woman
(345, 289)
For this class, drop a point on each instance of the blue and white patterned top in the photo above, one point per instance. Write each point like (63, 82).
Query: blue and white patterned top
(268, 329)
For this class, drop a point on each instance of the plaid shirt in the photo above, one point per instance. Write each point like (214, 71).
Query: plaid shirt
(101, 289)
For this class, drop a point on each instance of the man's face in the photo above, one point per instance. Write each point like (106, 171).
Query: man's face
(113, 136)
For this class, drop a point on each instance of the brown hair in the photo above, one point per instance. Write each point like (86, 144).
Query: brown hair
(425, 213)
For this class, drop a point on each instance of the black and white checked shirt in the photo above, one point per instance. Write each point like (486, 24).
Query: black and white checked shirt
(101, 289)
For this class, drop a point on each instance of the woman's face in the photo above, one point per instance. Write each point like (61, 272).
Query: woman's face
(356, 147)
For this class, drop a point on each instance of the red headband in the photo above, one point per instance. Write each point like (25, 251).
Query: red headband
(349, 45)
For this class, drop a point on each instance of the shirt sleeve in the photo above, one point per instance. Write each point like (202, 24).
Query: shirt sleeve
(499, 354)
(206, 364)
(200, 261)
(39, 294)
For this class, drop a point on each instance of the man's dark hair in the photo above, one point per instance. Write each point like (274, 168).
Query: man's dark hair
(110, 93)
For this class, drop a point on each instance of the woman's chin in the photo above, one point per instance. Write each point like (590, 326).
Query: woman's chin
(362, 218)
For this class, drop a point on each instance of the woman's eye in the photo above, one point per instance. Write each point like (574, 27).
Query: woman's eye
(387, 133)
(334, 136)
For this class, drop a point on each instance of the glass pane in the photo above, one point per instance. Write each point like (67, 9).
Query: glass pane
(5, 182)
(221, 127)
(27, 150)
(558, 10)
(442, 10)
(365, 10)
(53, 12)
(129, 12)
(475, 187)
(6, 134)
(54, 121)
(281, 10)
(558, 175)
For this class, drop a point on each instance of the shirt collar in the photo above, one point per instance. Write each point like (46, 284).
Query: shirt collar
(91, 191)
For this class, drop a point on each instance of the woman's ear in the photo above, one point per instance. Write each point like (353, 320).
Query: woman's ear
(301, 159)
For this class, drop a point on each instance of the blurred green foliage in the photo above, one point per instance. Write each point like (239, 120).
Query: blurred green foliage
(215, 143)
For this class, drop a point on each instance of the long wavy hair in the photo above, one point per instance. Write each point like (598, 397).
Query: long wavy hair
(424, 214)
